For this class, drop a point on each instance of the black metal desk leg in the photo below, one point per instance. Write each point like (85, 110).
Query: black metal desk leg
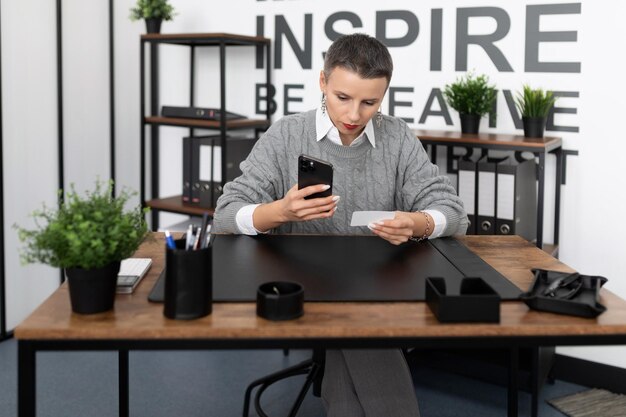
(557, 194)
(142, 136)
(123, 382)
(513, 374)
(26, 378)
(534, 382)
(541, 174)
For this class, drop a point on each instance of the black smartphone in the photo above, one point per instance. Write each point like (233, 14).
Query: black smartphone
(312, 171)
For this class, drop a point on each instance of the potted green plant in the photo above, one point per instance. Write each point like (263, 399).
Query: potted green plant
(153, 12)
(87, 237)
(534, 106)
(472, 97)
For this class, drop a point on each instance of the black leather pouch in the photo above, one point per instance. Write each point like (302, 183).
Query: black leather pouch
(565, 293)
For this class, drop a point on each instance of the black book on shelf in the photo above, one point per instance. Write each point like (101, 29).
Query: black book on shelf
(187, 177)
(516, 199)
(204, 165)
(204, 113)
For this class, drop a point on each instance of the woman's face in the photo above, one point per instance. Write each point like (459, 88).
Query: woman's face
(351, 101)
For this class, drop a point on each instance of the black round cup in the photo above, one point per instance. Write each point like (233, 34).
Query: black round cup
(280, 300)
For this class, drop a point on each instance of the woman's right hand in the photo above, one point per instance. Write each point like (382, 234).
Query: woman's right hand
(294, 208)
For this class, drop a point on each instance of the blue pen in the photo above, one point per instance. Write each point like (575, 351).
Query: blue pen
(169, 240)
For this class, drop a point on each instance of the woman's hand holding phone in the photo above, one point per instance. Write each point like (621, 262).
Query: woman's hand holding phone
(310, 199)
(296, 207)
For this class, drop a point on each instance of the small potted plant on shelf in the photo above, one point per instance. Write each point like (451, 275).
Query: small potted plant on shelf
(472, 97)
(534, 105)
(153, 12)
(88, 237)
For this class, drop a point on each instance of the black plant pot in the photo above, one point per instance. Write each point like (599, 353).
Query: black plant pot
(469, 122)
(534, 126)
(92, 290)
(153, 25)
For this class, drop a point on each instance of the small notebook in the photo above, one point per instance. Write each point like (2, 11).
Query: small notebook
(132, 270)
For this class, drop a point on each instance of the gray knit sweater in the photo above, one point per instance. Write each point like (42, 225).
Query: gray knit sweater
(395, 175)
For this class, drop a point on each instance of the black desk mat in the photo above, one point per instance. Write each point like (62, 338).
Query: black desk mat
(342, 268)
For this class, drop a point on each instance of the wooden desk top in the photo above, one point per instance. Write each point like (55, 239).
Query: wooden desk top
(134, 318)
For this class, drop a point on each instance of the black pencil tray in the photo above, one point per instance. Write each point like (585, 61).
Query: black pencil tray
(584, 304)
(476, 302)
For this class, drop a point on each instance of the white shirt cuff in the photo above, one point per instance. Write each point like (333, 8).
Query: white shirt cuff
(244, 221)
(440, 223)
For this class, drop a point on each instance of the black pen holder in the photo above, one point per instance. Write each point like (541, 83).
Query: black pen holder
(476, 302)
(188, 282)
(280, 300)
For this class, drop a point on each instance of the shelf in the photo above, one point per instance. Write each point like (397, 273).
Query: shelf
(539, 147)
(488, 140)
(207, 124)
(175, 205)
(222, 129)
(207, 39)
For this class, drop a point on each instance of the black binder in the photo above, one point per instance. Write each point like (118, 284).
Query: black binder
(204, 113)
(486, 200)
(516, 207)
(207, 172)
(467, 188)
(206, 165)
(200, 186)
(187, 185)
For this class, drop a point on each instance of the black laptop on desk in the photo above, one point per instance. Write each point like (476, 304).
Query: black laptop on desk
(342, 268)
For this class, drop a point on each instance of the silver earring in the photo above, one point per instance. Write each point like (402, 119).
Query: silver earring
(323, 104)
(379, 118)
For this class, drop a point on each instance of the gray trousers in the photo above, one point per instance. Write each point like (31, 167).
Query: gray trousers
(368, 383)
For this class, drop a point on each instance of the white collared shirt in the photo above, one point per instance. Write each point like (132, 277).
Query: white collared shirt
(324, 128)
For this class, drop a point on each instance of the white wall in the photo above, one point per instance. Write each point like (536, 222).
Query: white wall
(591, 227)
(593, 201)
(85, 92)
(29, 142)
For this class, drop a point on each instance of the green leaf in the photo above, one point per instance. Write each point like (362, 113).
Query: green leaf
(149, 9)
(534, 102)
(87, 231)
(471, 94)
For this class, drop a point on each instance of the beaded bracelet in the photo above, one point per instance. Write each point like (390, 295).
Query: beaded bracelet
(426, 231)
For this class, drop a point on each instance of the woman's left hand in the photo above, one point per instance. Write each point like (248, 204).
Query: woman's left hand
(397, 230)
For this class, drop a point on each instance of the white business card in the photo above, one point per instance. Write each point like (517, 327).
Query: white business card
(363, 218)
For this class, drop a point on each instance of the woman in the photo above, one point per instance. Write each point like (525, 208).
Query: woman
(378, 165)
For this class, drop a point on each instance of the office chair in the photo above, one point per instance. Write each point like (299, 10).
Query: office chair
(313, 369)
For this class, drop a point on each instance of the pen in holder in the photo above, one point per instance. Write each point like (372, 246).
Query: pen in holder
(188, 282)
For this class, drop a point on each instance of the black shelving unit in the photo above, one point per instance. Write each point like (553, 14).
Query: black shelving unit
(539, 147)
(154, 120)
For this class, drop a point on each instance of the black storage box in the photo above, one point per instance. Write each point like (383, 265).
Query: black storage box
(580, 297)
(477, 301)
